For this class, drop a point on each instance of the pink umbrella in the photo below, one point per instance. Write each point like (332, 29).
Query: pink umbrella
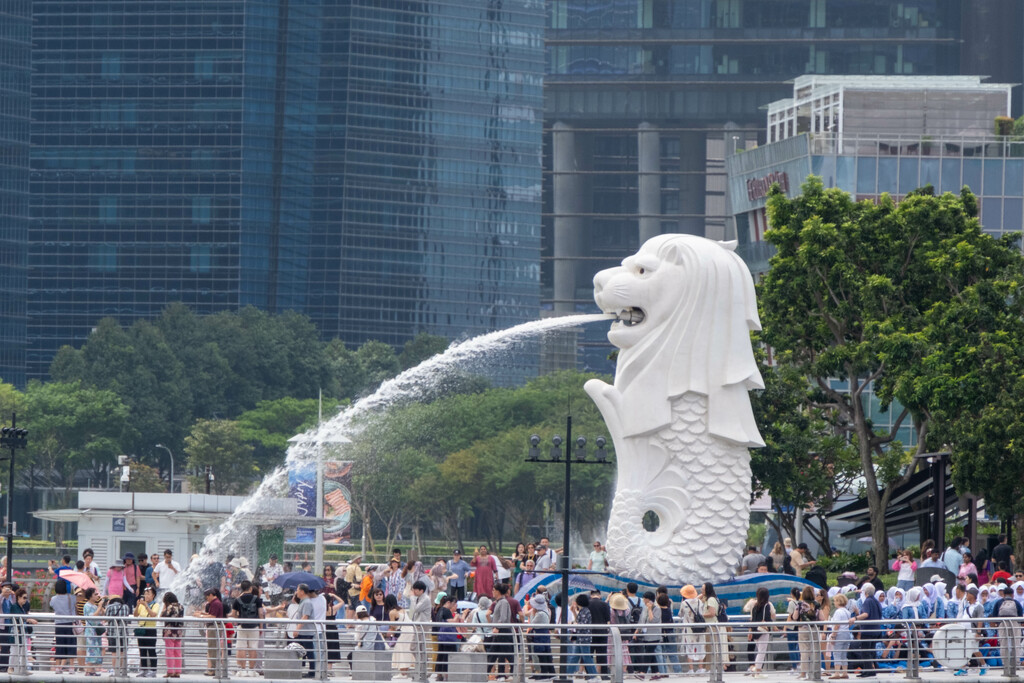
(80, 579)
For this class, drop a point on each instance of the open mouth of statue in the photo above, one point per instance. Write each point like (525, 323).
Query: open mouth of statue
(630, 316)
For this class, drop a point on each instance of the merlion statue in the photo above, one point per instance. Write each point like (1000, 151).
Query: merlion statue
(679, 410)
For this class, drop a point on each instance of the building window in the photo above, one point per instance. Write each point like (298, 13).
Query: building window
(199, 258)
(201, 210)
(103, 257)
(108, 209)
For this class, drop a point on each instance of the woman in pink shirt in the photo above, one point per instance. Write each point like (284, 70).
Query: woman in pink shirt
(906, 567)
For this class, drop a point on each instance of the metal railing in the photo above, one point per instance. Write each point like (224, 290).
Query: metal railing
(278, 649)
(952, 146)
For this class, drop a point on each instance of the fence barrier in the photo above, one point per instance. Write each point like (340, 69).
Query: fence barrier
(364, 650)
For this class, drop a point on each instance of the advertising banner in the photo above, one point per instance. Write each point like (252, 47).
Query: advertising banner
(337, 500)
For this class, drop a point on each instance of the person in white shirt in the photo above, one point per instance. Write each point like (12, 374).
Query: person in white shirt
(545, 556)
(164, 573)
(598, 558)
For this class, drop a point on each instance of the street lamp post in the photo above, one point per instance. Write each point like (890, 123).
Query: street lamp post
(555, 456)
(171, 456)
(13, 438)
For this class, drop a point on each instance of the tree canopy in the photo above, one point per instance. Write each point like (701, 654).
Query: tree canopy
(848, 302)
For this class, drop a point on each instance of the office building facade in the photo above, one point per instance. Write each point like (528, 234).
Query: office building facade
(374, 165)
(869, 136)
(15, 70)
(645, 99)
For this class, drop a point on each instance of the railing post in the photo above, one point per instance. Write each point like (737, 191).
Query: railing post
(520, 655)
(421, 672)
(221, 663)
(320, 638)
(716, 666)
(1008, 647)
(19, 647)
(815, 636)
(615, 665)
(120, 628)
(913, 652)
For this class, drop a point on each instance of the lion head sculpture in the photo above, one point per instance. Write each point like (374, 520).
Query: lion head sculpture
(686, 307)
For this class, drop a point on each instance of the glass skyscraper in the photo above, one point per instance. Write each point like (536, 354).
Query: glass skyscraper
(372, 164)
(15, 70)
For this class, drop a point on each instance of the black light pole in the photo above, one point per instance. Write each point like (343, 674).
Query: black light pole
(13, 438)
(555, 456)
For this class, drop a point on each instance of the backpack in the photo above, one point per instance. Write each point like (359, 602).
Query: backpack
(1007, 608)
(635, 611)
(723, 614)
(247, 610)
(698, 618)
(804, 613)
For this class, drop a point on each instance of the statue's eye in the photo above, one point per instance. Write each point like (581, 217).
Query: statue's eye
(642, 271)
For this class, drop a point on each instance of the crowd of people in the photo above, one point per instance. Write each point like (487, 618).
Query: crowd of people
(472, 604)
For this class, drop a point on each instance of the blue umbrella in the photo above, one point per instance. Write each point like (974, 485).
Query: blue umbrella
(291, 580)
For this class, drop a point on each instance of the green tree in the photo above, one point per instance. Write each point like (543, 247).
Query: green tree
(146, 479)
(270, 424)
(346, 369)
(845, 299)
(379, 363)
(804, 463)
(219, 443)
(420, 348)
(72, 427)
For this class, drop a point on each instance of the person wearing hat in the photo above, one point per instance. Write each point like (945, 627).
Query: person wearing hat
(456, 571)
(538, 612)
(354, 577)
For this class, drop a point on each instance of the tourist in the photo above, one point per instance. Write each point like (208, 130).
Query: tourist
(804, 611)
(530, 554)
(17, 604)
(457, 569)
(93, 631)
(304, 632)
(871, 576)
(967, 568)
(145, 573)
(165, 572)
(841, 636)
(366, 634)
(447, 636)
(777, 556)
(399, 636)
(486, 567)
(376, 607)
(646, 637)
(419, 604)
(271, 571)
(801, 559)
(505, 567)
(65, 566)
(412, 573)
(580, 637)
(502, 648)
(145, 631)
(952, 558)
(91, 569)
(517, 558)
(393, 582)
(693, 638)
(601, 616)
(906, 566)
(1003, 554)
(366, 586)
(117, 633)
(762, 612)
(249, 607)
(213, 609)
(329, 579)
(436, 576)
(933, 561)
(63, 606)
(751, 561)
(526, 576)
(546, 557)
(174, 630)
(539, 637)
(709, 607)
(598, 561)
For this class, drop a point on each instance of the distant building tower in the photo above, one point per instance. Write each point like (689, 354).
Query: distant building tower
(15, 71)
(375, 165)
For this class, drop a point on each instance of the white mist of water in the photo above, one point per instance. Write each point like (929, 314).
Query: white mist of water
(411, 385)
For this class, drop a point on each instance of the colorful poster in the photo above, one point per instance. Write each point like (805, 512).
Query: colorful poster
(337, 500)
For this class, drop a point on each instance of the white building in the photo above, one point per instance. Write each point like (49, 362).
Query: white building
(113, 524)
